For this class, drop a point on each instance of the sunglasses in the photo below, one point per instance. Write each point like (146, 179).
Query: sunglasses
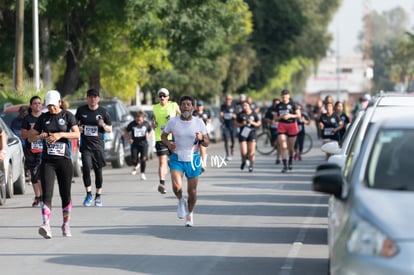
(161, 96)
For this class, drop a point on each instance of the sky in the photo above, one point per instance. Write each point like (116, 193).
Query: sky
(347, 22)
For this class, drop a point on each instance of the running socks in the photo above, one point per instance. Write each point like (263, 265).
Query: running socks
(66, 212)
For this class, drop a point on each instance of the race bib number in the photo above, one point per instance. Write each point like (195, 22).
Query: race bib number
(139, 132)
(36, 147)
(274, 125)
(90, 130)
(283, 112)
(328, 131)
(245, 132)
(56, 149)
(228, 116)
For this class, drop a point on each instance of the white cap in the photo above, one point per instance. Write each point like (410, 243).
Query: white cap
(52, 98)
(163, 91)
(366, 97)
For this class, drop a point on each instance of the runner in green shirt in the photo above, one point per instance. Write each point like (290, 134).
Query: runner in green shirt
(162, 112)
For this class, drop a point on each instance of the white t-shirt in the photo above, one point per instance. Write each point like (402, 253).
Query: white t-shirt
(184, 135)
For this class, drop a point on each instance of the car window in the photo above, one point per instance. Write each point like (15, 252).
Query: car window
(352, 132)
(390, 163)
(8, 117)
(6, 129)
(122, 110)
(110, 108)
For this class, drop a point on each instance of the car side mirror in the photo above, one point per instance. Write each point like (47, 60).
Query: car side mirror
(331, 148)
(329, 181)
(327, 165)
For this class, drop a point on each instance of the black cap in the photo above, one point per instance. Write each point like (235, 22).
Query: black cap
(285, 92)
(92, 92)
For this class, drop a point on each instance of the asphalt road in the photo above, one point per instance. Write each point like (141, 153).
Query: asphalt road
(263, 222)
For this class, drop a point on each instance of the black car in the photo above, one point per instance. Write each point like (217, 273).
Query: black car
(117, 148)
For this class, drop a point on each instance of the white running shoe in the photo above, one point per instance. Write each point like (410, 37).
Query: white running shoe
(45, 232)
(143, 177)
(182, 208)
(134, 172)
(189, 222)
(66, 230)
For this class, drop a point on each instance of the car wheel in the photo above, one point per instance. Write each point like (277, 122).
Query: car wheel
(128, 160)
(77, 165)
(9, 182)
(20, 183)
(2, 189)
(119, 162)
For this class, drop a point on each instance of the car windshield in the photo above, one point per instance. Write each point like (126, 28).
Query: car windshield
(110, 107)
(391, 165)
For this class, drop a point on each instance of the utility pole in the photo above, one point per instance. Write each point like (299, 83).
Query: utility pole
(36, 74)
(18, 85)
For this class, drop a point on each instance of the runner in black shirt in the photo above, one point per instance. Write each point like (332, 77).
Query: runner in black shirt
(300, 138)
(330, 124)
(94, 122)
(55, 127)
(287, 128)
(270, 118)
(33, 151)
(247, 121)
(228, 117)
(339, 110)
(138, 133)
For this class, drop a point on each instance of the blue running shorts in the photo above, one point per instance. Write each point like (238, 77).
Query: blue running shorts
(191, 169)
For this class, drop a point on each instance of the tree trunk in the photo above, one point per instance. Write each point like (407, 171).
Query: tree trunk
(46, 64)
(19, 46)
(71, 76)
(95, 79)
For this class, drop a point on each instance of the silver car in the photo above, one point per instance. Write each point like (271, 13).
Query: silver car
(371, 223)
(12, 171)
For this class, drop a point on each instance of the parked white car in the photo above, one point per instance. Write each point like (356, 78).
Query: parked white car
(12, 171)
(370, 224)
(382, 106)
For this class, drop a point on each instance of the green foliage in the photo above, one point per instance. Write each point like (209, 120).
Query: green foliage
(285, 73)
(390, 59)
(204, 48)
(8, 95)
(285, 30)
(241, 63)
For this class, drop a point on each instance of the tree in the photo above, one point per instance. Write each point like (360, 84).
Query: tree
(390, 28)
(286, 31)
(198, 37)
(202, 48)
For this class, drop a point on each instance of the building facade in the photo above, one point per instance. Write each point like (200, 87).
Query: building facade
(345, 78)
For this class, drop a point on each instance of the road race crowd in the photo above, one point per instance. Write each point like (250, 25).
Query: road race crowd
(181, 141)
